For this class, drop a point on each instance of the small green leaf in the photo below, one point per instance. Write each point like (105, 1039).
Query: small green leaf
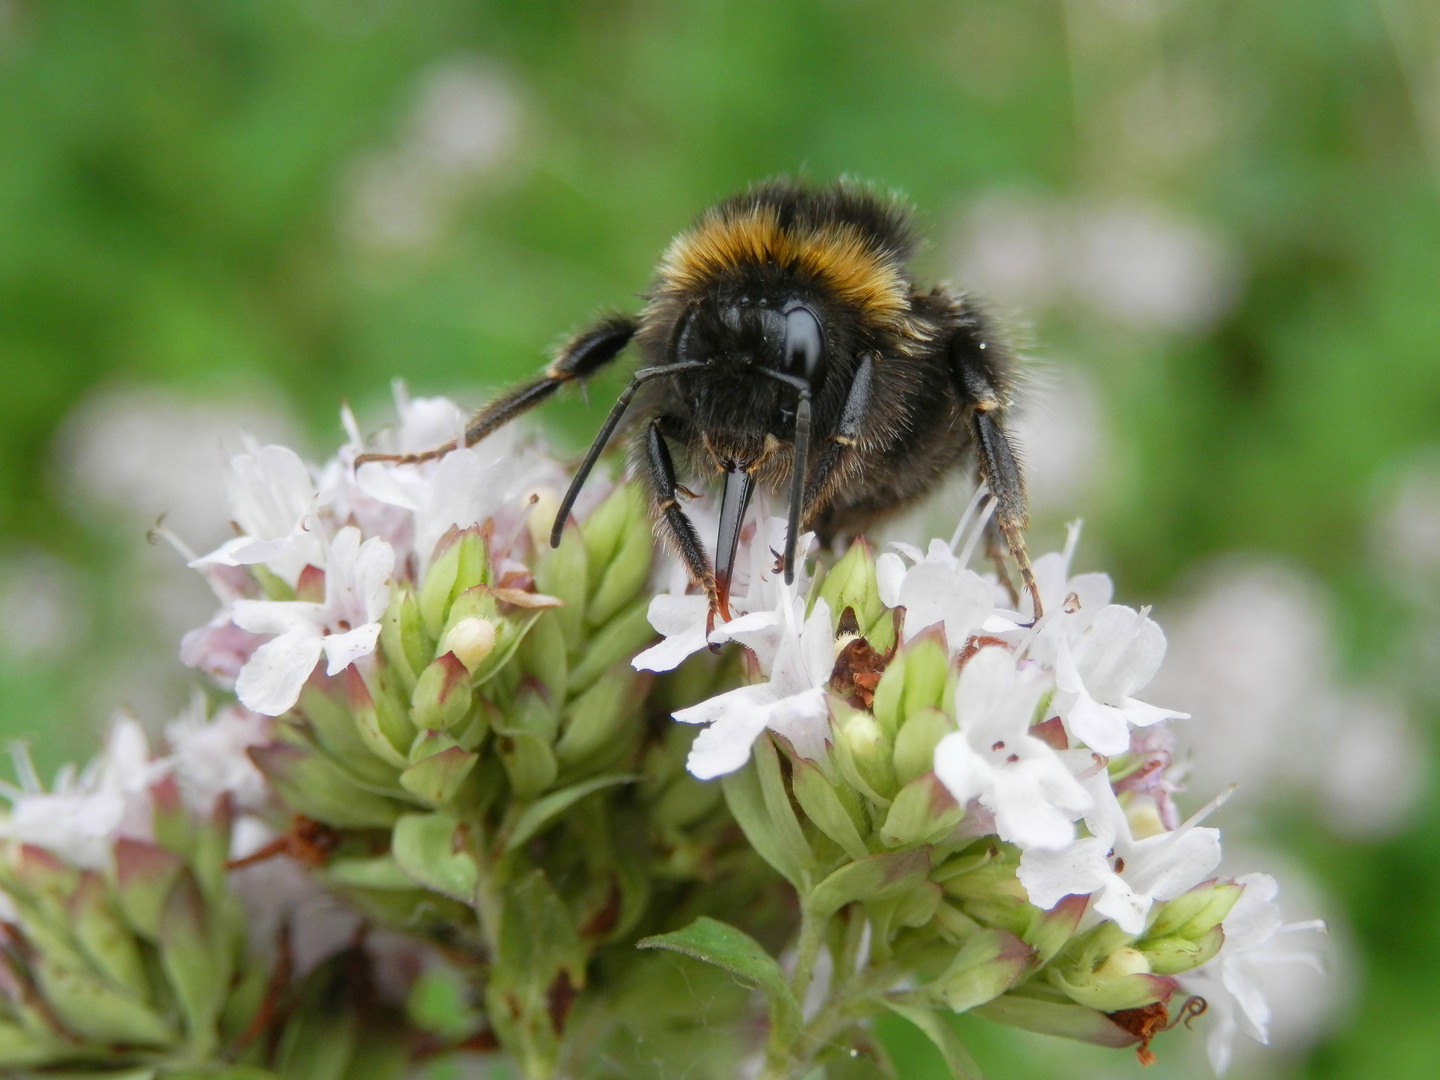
(923, 812)
(989, 963)
(915, 744)
(957, 1059)
(437, 778)
(876, 877)
(822, 805)
(737, 952)
(529, 762)
(1060, 1018)
(745, 796)
(620, 639)
(427, 848)
(196, 961)
(543, 811)
(318, 788)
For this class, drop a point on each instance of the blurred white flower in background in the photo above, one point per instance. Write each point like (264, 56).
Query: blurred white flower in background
(126, 457)
(1407, 525)
(43, 607)
(462, 128)
(1252, 658)
(1135, 263)
(1266, 988)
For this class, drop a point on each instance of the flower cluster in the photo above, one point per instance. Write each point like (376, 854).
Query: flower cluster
(928, 732)
(444, 729)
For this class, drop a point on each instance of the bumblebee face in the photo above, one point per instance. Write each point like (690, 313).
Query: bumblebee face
(746, 340)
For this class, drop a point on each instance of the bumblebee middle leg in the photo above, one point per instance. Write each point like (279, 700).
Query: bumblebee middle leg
(584, 355)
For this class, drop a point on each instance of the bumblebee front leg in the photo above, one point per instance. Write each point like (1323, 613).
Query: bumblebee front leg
(840, 444)
(657, 473)
(584, 355)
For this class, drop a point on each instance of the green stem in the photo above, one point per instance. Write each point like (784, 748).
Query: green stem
(812, 937)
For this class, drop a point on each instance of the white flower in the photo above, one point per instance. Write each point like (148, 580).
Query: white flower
(1116, 655)
(464, 487)
(792, 703)
(760, 613)
(1231, 982)
(938, 589)
(993, 758)
(210, 758)
(1123, 876)
(345, 627)
(272, 498)
(82, 816)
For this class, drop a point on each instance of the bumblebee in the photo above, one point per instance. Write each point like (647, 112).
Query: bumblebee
(785, 343)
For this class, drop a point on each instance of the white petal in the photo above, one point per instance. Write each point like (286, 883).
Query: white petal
(342, 650)
(276, 616)
(1023, 817)
(668, 654)
(804, 719)
(1165, 866)
(670, 614)
(889, 575)
(1099, 727)
(379, 482)
(817, 646)
(1123, 906)
(271, 679)
(1049, 876)
(965, 774)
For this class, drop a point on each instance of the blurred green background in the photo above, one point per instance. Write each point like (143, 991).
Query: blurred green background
(1214, 223)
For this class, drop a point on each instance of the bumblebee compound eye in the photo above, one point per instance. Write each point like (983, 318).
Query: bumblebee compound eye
(804, 346)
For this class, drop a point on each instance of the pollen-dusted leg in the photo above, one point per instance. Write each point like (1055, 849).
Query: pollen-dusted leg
(979, 366)
(584, 355)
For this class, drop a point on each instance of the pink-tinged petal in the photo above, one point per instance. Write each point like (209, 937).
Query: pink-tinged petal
(276, 616)
(271, 680)
(1076, 870)
(219, 649)
(342, 650)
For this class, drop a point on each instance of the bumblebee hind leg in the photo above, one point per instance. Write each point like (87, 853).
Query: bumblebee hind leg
(584, 355)
(979, 363)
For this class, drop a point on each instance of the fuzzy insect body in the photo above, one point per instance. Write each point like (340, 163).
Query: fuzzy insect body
(785, 343)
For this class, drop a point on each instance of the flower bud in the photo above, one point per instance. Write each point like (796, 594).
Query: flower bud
(1193, 914)
(988, 964)
(620, 547)
(403, 640)
(923, 812)
(471, 640)
(867, 749)
(442, 696)
(851, 583)
(594, 724)
(914, 680)
(460, 562)
(439, 769)
(564, 573)
(1172, 955)
(916, 741)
